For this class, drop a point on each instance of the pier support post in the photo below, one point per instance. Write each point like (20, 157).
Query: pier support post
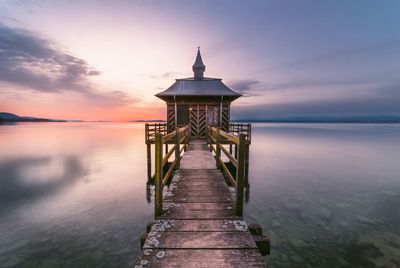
(148, 145)
(158, 176)
(240, 172)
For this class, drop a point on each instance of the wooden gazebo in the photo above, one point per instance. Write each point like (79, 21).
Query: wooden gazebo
(198, 102)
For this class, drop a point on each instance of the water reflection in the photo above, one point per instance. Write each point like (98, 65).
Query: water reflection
(18, 182)
(329, 194)
(72, 195)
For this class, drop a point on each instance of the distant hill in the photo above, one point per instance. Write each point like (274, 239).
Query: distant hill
(9, 117)
(326, 119)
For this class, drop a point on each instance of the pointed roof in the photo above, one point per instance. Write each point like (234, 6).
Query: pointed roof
(198, 67)
(199, 61)
(198, 85)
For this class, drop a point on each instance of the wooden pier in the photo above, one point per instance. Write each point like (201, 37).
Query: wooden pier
(199, 219)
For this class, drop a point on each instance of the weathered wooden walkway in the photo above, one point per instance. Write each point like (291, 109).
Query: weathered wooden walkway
(198, 226)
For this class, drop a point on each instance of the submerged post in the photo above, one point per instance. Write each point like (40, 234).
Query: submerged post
(158, 176)
(240, 173)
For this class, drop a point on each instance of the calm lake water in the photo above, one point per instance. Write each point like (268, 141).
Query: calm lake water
(74, 195)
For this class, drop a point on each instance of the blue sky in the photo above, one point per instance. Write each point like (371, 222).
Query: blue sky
(73, 59)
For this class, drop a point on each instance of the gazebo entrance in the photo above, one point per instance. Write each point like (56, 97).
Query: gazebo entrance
(198, 116)
(202, 116)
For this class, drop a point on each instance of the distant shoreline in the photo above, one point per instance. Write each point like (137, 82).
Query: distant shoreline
(368, 119)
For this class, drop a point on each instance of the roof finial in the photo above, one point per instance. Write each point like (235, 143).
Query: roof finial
(198, 66)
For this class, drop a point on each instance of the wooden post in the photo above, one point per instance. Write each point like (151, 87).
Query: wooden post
(246, 173)
(166, 148)
(185, 142)
(230, 148)
(240, 172)
(236, 149)
(148, 161)
(217, 148)
(158, 176)
(177, 149)
(210, 136)
(148, 145)
(146, 133)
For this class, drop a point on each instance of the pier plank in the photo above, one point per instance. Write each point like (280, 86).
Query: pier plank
(204, 258)
(202, 240)
(199, 199)
(191, 225)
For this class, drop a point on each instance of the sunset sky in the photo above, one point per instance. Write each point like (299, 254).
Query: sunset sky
(105, 60)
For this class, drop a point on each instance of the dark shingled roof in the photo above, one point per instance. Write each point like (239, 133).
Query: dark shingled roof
(194, 87)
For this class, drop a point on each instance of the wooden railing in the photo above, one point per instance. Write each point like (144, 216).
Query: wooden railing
(239, 128)
(179, 136)
(234, 128)
(152, 129)
(216, 138)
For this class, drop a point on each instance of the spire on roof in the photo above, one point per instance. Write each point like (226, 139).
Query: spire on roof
(198, 66)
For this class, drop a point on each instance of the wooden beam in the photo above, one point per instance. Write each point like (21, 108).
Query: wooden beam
(168, 136)
(169, 172)
(168, 155)
(224, 134)
(231, 158)
(228, 173)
